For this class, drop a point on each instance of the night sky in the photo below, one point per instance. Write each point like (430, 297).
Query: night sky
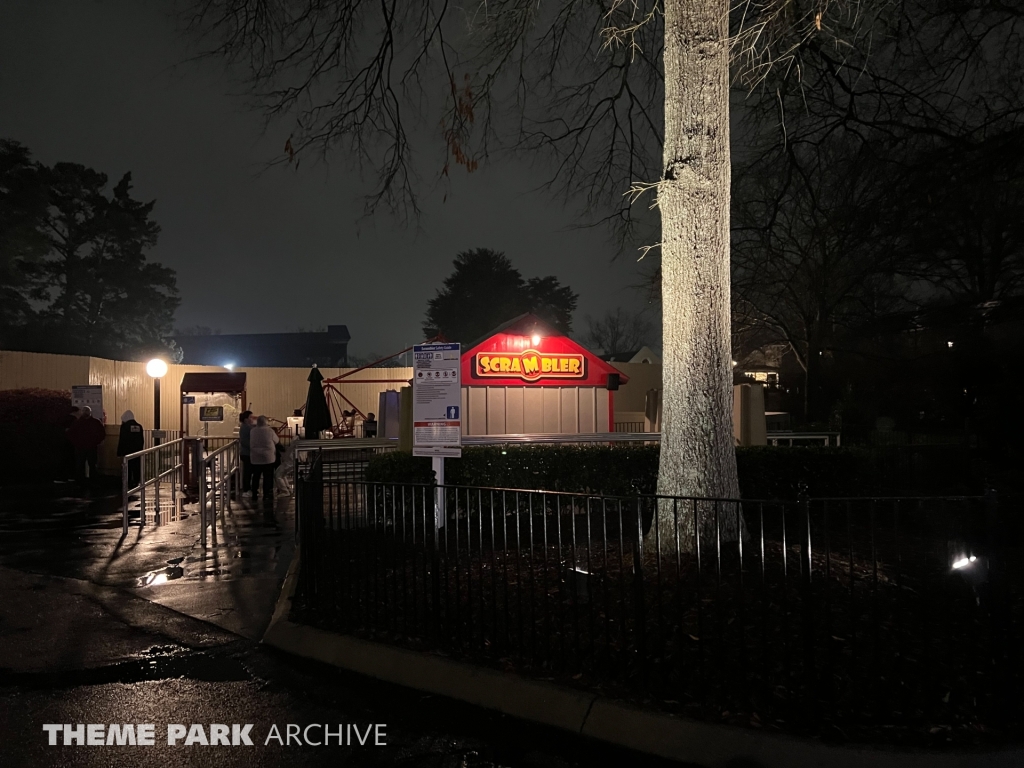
(113, 84)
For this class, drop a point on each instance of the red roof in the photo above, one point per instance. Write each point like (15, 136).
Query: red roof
(528, 352)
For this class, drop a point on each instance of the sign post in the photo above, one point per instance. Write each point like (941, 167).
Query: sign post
(436, 410)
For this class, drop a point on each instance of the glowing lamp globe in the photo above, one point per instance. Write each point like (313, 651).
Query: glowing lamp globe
(156, 368)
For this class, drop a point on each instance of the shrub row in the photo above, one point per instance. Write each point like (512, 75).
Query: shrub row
(764, 472)
(617, 470)
(32, 437)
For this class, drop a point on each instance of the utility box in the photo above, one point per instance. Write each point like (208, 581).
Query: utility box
(388, 411)
(405, 420)
(748, 421)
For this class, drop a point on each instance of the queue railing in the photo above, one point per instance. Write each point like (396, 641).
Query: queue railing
(145, 472)
(220, 475)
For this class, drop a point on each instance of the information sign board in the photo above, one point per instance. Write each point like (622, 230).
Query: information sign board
(437, 400)
(89, 395)
(211, 413)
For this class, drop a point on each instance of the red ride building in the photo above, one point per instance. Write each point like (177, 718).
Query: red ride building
(527, 378)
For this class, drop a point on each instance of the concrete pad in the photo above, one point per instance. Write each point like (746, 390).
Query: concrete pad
(51, 624)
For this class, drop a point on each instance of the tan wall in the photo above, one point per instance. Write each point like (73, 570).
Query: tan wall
(274, 392)
(22, 370)
(534, 410)
(631, 398)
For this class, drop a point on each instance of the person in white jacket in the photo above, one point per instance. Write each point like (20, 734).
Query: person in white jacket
(263, 442)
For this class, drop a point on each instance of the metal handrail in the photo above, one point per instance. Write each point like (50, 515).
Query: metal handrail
(225, 476)
(177, 465)
(570, 437)
(774, 436)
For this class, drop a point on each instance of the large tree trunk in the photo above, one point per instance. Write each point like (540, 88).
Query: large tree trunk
(698, 456)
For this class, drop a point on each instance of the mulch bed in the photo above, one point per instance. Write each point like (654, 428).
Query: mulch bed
(895, 651)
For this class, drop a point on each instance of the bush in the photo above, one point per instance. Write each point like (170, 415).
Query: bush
(32, 440)
(765, 472)
(625, 469)
(615, 470)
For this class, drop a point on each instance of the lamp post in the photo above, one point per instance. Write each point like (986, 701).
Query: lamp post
(156, 368)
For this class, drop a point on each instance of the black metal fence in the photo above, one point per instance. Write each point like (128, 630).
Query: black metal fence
(902, 612)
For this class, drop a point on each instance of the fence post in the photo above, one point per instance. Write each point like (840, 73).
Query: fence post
(156, 488)
(124, 494)
(142, 491)
(201, 472)
(638, 594)
(435, 578)
(807, 598)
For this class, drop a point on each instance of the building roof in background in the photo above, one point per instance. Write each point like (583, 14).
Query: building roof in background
(288, 350)
(642, 355)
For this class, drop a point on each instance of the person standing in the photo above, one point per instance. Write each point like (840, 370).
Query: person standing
(246, 422)
(263, 442)
(370, 425)
(67, 459)
(131, 440)
(85, 435)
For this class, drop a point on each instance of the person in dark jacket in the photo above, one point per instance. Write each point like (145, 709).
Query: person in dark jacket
(131, 440)
(86, 434)
(67, 459)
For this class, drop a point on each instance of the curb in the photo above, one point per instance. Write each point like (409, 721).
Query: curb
(591, 715)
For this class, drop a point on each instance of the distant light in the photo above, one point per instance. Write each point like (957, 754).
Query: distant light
(156, 368)
(535, 339)
(733, 363)
(949, 344)
(229, 366)
(963, 562)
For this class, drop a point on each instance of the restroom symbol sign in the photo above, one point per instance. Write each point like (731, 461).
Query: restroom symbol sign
(452, 412)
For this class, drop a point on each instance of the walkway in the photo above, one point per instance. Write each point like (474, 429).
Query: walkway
(233, 585)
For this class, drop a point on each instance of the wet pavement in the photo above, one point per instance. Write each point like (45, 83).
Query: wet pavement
(155, 629)
(233, 584)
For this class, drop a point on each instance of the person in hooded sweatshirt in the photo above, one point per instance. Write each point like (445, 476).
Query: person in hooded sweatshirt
(131, 440)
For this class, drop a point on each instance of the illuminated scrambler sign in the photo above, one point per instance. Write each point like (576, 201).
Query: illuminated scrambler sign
(529, 366)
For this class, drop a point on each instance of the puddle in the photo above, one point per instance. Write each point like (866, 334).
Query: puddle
(193, 666)
(155, 578)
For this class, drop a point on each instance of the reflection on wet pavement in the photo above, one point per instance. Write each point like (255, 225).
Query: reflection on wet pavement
(157, 666)
(155, 578)
(81, 537)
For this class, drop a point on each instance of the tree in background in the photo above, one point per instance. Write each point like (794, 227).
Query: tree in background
(83, 280)
(965, 222)
(22, 242)
(485, 290)
(814, 244)
(618, 331)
